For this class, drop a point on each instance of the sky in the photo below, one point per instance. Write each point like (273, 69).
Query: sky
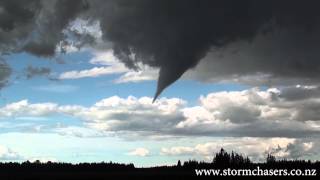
(151, 84)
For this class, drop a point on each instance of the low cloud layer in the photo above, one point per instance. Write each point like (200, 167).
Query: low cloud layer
(247, 113)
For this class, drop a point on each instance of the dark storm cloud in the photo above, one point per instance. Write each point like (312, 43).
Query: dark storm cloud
(36, 26)
(176, 35)
(56, 16)
(15, 13)
(300, 93)
(282, 57)
(274, 38)
(16, 22)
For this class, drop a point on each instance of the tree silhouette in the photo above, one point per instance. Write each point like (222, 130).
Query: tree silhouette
(221, 160)
(270, 159)
(179, 163)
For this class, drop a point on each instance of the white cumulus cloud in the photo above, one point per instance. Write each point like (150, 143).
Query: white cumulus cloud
(139, 152)
(247, 113)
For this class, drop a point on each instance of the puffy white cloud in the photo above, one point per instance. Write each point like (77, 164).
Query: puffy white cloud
(8, 154)
(139, 152)
(133, 114)
(198, 115)
(237, 106)
(247, 113)
(23, 107)
(252, 112)
(252, 105)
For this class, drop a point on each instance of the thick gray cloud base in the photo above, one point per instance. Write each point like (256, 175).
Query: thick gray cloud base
(239, 39)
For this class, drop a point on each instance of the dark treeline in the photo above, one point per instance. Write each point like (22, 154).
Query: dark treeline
(58, 166)
(221, 160)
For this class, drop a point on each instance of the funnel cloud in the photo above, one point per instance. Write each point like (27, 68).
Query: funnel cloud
(175, 35)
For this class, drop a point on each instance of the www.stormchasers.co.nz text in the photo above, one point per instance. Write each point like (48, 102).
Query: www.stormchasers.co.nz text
(255, 172)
